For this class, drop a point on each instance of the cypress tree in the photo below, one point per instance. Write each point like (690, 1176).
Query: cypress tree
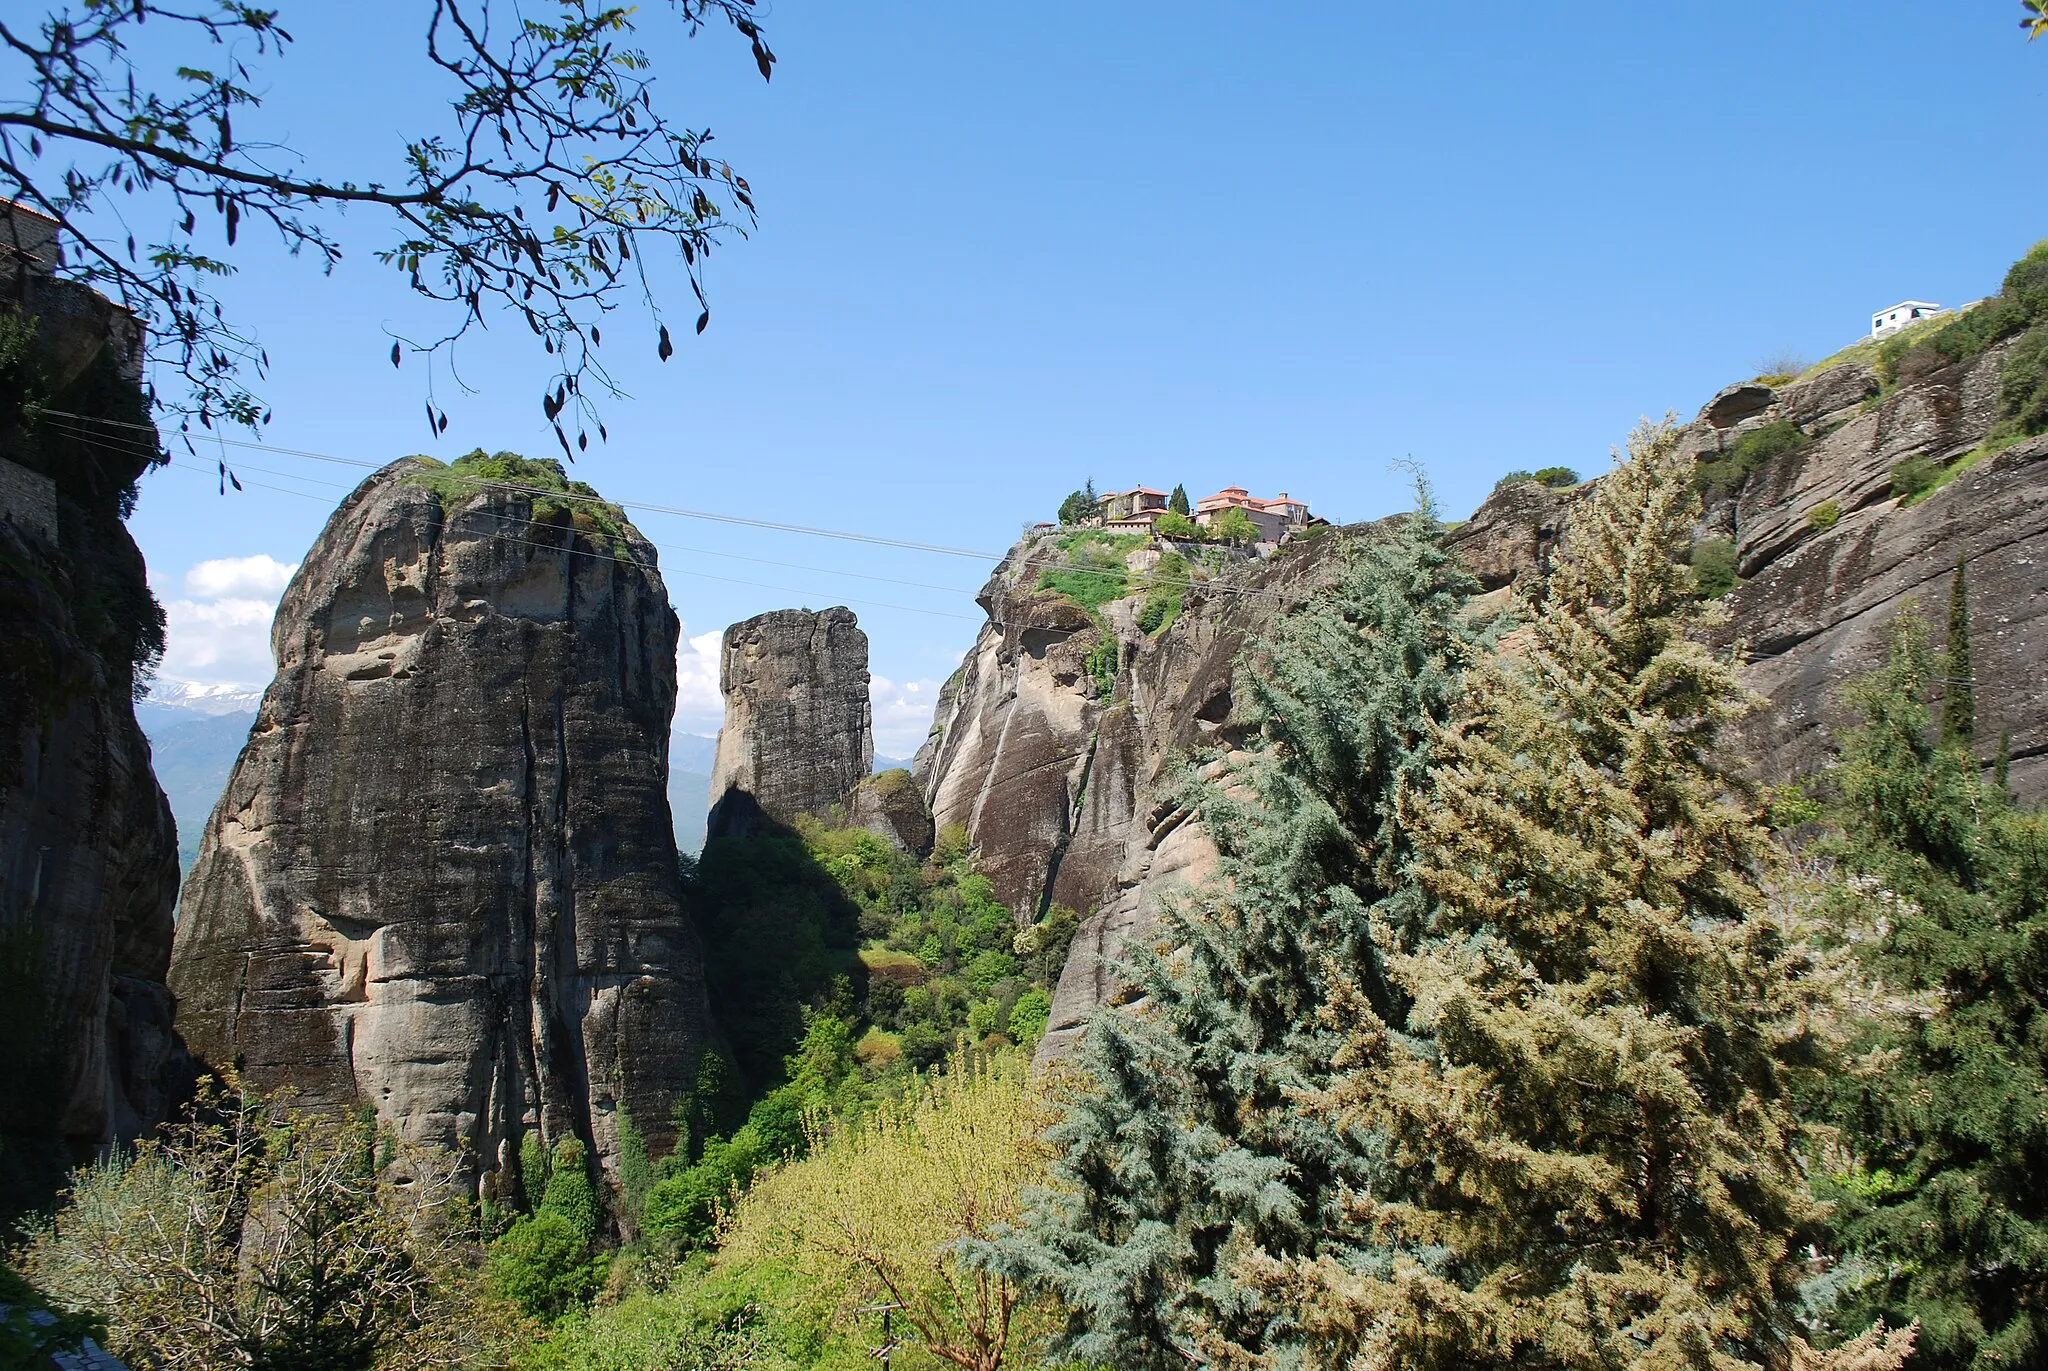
(1592, 1161)
(1178, 501)
(1941, 1212)
(1183, 1151)
(1959, 686)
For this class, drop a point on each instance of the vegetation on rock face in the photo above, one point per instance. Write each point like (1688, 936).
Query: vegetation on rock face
(1713, 567)
(1824, 516)
(1727, 473)
(1557, 478)
(581, 508)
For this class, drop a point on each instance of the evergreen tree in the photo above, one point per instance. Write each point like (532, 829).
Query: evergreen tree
(1941, 1211)
(1184, 1151)
(1178, 501)
(1592, 1162)
(1959, 684)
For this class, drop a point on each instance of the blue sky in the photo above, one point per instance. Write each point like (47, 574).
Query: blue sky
(1006, 248)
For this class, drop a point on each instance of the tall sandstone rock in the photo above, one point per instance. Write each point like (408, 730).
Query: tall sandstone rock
(88, 852)
(442, 880)
(798, 731)
(1065, 795)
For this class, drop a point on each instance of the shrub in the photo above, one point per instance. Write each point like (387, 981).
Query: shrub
(2023, 383)
(882, 1208)
(245, 1237)
(1915, 476)
(1029, 1017)
(1102, 662)
(543, 1266)
(1824, 516)
(1172, 525)
(1713, 567)
(570, 1191)
(1556, 478)
(1747, 453)
(1168, 590)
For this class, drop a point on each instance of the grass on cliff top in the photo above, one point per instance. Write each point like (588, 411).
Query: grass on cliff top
(584, 511)
(1866, 349)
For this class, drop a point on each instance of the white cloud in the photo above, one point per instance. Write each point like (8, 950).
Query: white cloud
(218, 632)
(259, 576)
(700, 708)
(224, 642)
(903, 714)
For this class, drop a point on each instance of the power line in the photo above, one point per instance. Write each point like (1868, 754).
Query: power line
(579, 551)
(140, 448)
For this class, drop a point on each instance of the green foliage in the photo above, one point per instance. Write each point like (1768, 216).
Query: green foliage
(543, 1266)
(1163, 597)
(571, 1192)
(1944, 899)
(779, 929)
(1080, 507)
(581, 510)
(250, 1237)
(1576, 1088)
(2023, 383)
(682, 1328)
(2021, 302)
(1713, 567)
(1233, 525)
(1914, 476)
(1824, 516)
(1753, 449)
(1177, 503)
(1557, 478)
(1029, 1017)
(1959, 680)
(1186, 1156)
(1102, 663)
(1176, 525)
(1089, 587)
(636, 1171)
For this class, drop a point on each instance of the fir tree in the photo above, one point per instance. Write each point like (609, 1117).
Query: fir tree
(1941, 1211)
(1178, 501)
(1593, 1164)
(1959, 684)
(1184, 1152)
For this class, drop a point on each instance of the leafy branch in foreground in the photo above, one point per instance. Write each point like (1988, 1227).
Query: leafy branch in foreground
(554, 179)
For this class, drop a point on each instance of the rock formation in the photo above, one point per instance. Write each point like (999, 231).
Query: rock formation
(442, 881)
(1061, 791)
(797, 737)
(889, 805)
(88, 853)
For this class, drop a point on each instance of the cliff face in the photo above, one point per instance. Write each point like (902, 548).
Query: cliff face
(797, 737)
(1063, 793)
(88, 853)
(442, 880)
(1063, 790)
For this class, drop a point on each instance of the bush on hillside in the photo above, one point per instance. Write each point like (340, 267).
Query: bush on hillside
(1176, 526)
(1753, 449)
(543, 1266)
(1915, 476)
(2023, 385)
(1713, 567)
(1557, 478)
(2021, 302)
(1824, 516)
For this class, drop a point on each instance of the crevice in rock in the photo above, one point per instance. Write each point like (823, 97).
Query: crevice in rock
(1073, 826)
